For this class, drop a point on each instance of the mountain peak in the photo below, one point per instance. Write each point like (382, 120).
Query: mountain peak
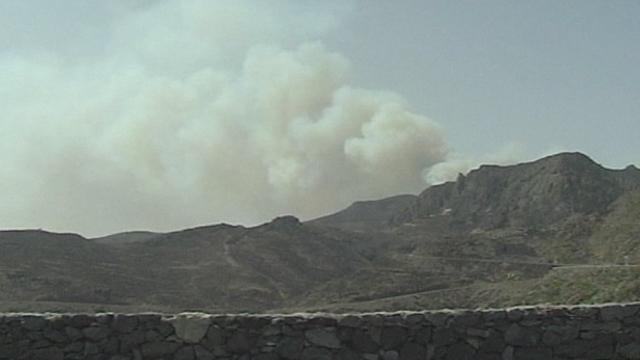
(569, 160)
(284, 223)
(569, 156)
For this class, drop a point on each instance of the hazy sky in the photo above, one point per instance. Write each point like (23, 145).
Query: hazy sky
(544, 74)
(164, 114)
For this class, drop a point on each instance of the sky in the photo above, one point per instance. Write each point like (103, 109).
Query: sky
(166, 114)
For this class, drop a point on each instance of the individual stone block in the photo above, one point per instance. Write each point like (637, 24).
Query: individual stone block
(460, 351)
(521, 336)
(290, 348)
(363, 343)
(81, 320)
(33, 323)
(533, 353)
(444, 336)
(96, 333)
(47, 354)
(412, 351)
(185, 353)
(393, 337)
(316, 353)
(190, 328)
(555, 334)
(124, 323)
(159, 349)
(323, 337)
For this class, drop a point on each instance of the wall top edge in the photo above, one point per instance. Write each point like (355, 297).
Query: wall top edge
(540, 308)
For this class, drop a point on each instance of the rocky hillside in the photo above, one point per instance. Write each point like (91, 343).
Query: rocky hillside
(217, 267)
(365, 216)
(530, 195)
(552, 230)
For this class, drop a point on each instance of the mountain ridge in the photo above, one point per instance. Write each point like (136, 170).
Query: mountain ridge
(479, 239)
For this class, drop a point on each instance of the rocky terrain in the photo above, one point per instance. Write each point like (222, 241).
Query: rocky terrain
(562, 229)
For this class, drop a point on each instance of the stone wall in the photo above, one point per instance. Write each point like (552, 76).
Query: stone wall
(584, 332)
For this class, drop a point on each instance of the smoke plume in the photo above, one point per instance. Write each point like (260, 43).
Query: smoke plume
(196, 112)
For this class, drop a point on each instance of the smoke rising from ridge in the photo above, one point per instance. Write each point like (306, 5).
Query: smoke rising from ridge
(200, 112)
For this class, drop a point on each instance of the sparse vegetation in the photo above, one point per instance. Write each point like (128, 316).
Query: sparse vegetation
(507, 238)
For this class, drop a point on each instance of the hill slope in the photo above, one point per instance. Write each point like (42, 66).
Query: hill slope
(477, 241)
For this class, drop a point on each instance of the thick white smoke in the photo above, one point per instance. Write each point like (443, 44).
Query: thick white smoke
(200, 112)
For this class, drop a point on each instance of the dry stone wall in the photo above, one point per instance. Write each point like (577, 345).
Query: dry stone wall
(583, 332)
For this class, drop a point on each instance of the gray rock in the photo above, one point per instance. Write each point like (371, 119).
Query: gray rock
(347, 354)
(202, 353)
(323, 337)
(609, 326)
(185, 353)
(423, 335)
(74, 347)
(152, 335)
(618, 312)
(90, 349)
(515, 314)
(521, 336)
(533, 354)
(55, 336)
(159, 349)
(438, 319)
(124, 323)
(290, 348)
(130, 341)
(240, 342)
(393, 337)
(555, 335)
(444, 336)
(603, 351)
(350, 321)
(493, 317)
(488, 356)
(33, 323)
(269, 356)
(81, 320)
(119, 357)
(390, 355)
(215, 337)
(96, 333)
(460, 351)
(507, 354)
(630, 351)
(272, 330)
(39, 344)
(493, 344)
(164, 328)
(362, 342)
(413, 319)
(47, 354)
(412, 351)
(466, 319)
(316, 353)
(191, 328)
(72, 333)
(111, 346)
(483, 333)
(573, 349)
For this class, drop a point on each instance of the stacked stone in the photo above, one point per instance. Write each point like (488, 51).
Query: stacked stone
(584, 332)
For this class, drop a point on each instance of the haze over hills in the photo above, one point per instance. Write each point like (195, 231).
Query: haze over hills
(559, 229)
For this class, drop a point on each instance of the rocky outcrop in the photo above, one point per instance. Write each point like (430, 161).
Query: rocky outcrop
(587, 332)
(367, 215)
(529, 195)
